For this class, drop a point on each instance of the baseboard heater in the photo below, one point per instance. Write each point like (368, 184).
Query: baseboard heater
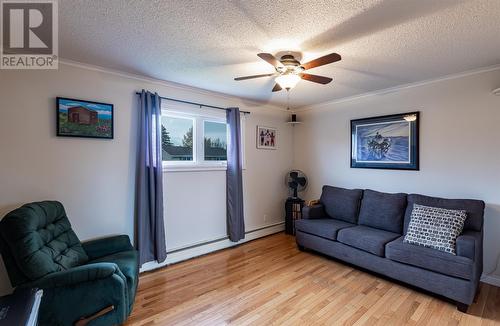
(220, 239)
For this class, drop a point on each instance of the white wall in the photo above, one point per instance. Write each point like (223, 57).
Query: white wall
(94, 179)
(459, 146)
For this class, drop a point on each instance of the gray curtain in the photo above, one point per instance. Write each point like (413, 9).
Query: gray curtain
(235, 221)
(150, 236)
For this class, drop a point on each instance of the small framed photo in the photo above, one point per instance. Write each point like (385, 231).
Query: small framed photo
(386, 142)
(267, 137)
(77, 118)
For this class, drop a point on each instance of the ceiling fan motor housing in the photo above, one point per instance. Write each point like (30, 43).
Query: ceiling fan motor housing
(291, 65)
(289, 60)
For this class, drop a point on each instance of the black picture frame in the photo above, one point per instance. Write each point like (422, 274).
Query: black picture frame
(395, 150)
(94, 123)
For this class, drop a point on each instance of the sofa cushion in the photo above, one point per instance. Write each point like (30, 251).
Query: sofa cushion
(474, 209)
(430, 259)
(341, 204)
(436, 228)
(127, 262)
(383, 210)
(324, 227)
(366, 238)
(41, 237)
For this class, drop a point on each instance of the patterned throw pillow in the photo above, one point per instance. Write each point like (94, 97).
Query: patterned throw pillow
(436, 228)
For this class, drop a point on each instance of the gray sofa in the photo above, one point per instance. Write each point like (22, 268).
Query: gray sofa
(366, 228)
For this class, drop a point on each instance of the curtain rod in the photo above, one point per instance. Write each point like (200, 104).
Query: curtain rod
(194, 103)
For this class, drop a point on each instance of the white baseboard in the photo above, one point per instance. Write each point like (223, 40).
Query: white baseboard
(491, 279)
(199, 250)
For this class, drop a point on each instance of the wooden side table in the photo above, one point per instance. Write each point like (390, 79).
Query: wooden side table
(293, 211)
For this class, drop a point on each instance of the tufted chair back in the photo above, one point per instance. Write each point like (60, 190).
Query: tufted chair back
(36, 239)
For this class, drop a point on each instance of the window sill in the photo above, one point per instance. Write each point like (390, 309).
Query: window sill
(194, 168)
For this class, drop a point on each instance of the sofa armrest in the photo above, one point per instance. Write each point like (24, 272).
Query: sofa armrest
(468, 244)
(314, 211)
(77, 275)
(107, 246)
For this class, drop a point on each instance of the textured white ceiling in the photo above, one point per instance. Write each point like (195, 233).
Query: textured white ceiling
(383, 43)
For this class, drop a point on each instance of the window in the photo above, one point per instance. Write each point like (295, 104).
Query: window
(215, 141)
(177, 138)
(194, 138)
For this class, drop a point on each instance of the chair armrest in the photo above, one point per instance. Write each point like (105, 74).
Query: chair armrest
(77, 275)
(107, 246)
(468, 244)
(83, 291)
(315, 211)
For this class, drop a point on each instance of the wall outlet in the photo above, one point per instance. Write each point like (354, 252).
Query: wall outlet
(265, 217)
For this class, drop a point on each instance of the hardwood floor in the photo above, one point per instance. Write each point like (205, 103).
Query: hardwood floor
(270, 282)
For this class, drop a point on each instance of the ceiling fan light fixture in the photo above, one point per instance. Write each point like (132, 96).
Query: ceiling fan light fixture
(288, 81)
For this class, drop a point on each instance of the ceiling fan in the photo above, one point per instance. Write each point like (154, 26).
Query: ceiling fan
(289, 71)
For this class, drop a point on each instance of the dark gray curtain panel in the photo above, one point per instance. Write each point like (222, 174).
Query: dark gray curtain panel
(150, 236)
(235, 221)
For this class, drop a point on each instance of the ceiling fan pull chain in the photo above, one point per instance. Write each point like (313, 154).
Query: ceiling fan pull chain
(288, 99)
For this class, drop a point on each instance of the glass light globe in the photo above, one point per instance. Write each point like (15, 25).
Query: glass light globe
(288, 81)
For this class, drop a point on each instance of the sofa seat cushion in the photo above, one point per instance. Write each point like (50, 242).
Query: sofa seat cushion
(383, 210)
(430, 259)
(128, 263)
(366, 238)
(341, 204)
(323, 227)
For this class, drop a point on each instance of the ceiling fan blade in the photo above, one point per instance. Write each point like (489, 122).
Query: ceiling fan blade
(253, 76)
(324, 60)
(316, 78)
(277, 88)
(269, 58)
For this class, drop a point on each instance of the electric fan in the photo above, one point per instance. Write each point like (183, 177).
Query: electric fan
(296, 180)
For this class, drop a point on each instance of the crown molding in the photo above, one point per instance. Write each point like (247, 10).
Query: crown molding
(170, 84)
(399, 88)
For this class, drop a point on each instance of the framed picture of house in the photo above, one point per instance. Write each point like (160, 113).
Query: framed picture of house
(386, 142)
(267, 137)
(77, 118)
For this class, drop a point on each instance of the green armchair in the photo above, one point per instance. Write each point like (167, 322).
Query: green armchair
(92, 283)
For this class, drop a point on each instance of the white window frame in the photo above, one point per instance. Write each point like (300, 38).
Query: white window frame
(199, 116)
